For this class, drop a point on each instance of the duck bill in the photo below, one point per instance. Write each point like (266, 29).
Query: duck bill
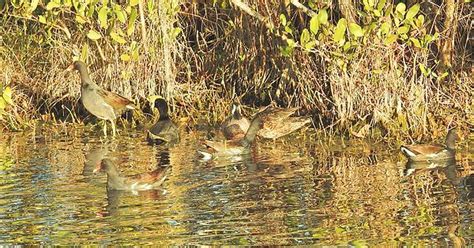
(70, 68)
(97, 168)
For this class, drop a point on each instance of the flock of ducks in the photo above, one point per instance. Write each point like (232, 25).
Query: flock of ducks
(239, 132)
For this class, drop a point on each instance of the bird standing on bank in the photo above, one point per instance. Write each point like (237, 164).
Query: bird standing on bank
(101, 103)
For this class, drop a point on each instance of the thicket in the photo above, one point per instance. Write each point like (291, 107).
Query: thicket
(398, 68)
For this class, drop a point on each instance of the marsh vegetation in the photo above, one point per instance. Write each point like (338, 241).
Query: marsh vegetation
(376, 68)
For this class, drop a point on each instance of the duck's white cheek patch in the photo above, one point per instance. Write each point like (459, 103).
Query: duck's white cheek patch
(408, 152)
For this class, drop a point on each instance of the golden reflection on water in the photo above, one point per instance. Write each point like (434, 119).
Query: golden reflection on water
(301, 190)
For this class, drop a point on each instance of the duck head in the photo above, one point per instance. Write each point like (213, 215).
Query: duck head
(105, 165)
(236, 110)
(162, 106)
(81, 67)
(451, 138)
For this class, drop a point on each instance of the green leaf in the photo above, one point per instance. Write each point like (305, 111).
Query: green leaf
(33, 5)
(401, 7)
(356, 30)
(135, 54)
(412, 11)
(291, 43)
(423, 70)
(286, 51)
(42, 19)
(103, 17)
(385, 28)
(131, 21)
(3, 104)
(93, 35)
(377, 13)
(415, 42)
(314, 25)
(121, 15)
(420, 20)
(7, 95)
(381, 4)
(368, 7)
(175, 32)
(390, 39)
(90, 11)
(403, 30)
(310, 45)
(125, 57)
(305, 37)
(323, 17)
(346, 46)
(84, 52)
(151, 6)
(134, 2)
(340, 31)
(51, 5)
(118, 38)
(283, 19)
(80, 19)
(445, 74)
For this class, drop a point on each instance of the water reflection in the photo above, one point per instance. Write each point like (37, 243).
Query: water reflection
(297, 191)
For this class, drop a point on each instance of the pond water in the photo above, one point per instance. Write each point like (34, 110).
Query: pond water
(303, 189)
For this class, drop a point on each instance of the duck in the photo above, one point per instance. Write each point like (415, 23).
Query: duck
(164, 130)
(427, 153)
(101, 103)
(278, 123)
(236, 125)
(227, 148)
(140, 182)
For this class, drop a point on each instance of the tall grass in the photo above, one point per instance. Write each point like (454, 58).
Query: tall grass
(223, 54)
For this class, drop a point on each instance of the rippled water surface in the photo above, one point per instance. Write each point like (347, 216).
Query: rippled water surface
(300, 190)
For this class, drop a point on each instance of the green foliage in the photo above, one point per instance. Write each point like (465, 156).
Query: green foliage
(5, 98)
(107, 22)
(380, 21)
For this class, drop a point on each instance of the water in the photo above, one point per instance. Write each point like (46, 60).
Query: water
(302, 190)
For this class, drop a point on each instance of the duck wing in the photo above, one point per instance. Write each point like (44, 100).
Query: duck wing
(424, 149)
(276, 130)
(164, 130)
(147, 180)
(278, 123)
(118, 102)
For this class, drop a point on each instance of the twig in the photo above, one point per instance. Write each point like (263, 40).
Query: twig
(143, 24)
(244, 7)
(305, 9)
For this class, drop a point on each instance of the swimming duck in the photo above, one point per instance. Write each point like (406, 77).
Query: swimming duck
(164, 130)
(236, 146)
(279, 123)
(236, 125)
(144, 181)
(423, 152)
(101, 103)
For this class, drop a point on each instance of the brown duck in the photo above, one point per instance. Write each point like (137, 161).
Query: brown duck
(236, 125)
(423, 152)
(278, 123)
(144, 181)
(236, 147)
(103, 104)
